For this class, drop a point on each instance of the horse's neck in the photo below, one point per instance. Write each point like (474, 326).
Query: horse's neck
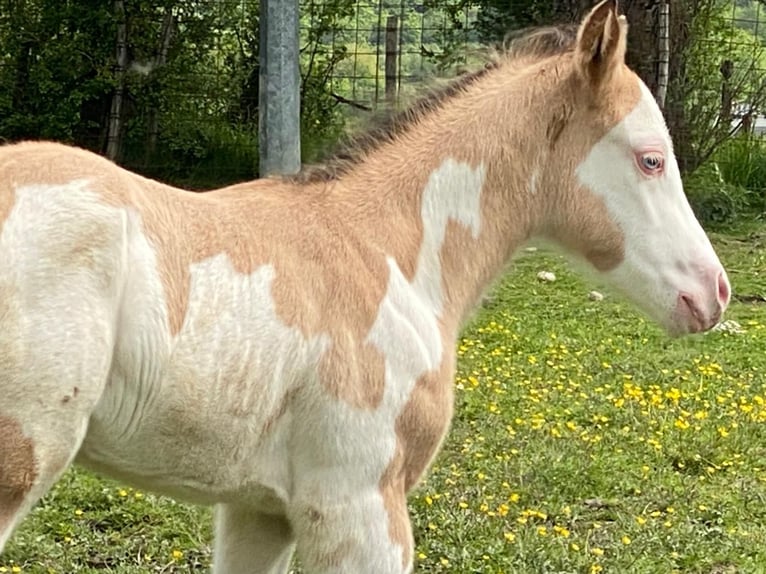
(437, 203)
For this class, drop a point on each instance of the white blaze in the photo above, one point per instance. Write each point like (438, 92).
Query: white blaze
(664, 243)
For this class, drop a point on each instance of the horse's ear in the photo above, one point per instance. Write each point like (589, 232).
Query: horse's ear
(601, 42)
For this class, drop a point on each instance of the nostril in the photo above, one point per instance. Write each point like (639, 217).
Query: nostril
(724, 291)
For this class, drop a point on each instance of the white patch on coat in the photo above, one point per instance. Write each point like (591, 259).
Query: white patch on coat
(453, 191)
(364, 442)
(665, 246)
(202, 411)
(60, 276)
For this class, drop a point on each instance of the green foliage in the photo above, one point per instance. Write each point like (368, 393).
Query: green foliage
(715, 40)
(190, 109)
(732, 184)
(714, 200)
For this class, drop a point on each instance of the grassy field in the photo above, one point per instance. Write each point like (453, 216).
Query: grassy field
(584, 441)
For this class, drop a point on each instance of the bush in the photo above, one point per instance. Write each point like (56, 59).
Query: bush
(714, 200)
(732, 184)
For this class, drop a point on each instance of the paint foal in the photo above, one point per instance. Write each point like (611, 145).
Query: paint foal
(284, 350)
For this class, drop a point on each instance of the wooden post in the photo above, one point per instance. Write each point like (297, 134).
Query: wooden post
(664, 54)
(114, 129)
(726, 113)
(392, 53)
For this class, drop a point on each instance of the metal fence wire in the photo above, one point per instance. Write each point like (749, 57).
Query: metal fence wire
(389, 48)
(186, 74)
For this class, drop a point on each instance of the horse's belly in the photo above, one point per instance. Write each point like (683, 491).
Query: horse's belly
(203, 457)
(212, 427)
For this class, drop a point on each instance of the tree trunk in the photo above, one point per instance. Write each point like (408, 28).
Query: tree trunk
(114, 131)
(664, 54)
(642, 55)
(681, 15)
(166, 36)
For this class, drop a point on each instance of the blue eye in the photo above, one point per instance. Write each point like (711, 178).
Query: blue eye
(651, 162)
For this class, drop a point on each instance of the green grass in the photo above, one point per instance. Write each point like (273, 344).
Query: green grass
(584, 441)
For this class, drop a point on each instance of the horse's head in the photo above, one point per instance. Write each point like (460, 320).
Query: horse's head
(617, 196)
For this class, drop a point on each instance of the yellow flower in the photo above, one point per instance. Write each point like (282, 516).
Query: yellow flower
(597, 551)
(626, 540)
(177, 554)
(509, 536)
(681, 424)
(596, 568)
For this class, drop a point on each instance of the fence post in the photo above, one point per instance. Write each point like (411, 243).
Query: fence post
(392, 25)
(279, 139)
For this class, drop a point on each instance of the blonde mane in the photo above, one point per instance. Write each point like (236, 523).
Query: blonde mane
(526, 47)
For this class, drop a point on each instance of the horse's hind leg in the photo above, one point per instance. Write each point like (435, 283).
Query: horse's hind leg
(52, 373)
(56, 346)
(248, 542)
(61, 269)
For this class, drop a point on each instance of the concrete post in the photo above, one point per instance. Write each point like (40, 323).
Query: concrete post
(279, 134)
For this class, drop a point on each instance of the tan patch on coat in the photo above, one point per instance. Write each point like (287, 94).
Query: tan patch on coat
(420, 429)
(394, 492)
(7, 201)
(18, 468)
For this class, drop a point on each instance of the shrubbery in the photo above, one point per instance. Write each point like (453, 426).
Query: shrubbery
(731, 185)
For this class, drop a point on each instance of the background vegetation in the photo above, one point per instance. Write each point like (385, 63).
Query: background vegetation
(180, 101)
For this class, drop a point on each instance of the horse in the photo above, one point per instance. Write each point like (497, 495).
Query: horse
(284, 349)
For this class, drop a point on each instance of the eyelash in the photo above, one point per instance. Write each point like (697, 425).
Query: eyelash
(656, 157)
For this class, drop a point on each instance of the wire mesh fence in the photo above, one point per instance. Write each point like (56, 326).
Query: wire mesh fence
(389, 48)
(188, 76)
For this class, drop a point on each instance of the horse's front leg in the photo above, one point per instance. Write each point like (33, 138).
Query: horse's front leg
(251, 542)
(352, 531)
